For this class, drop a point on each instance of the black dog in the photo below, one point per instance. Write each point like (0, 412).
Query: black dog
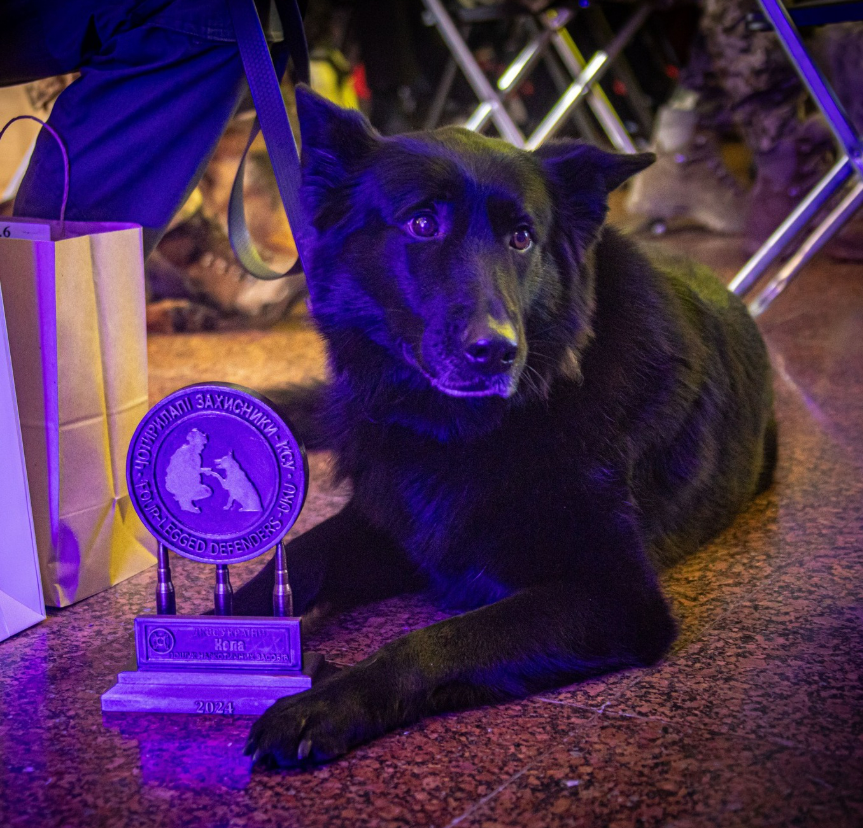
(533, 416)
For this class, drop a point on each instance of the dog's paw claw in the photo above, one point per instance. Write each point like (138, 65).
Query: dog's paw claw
(304, 749)
(316, 726)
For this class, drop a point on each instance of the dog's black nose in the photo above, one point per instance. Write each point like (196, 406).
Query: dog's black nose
(492, 346)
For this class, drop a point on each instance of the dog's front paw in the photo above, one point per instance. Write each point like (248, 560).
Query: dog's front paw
(315, 726)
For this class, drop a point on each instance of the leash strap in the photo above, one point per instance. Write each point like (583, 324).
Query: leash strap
(263, 72)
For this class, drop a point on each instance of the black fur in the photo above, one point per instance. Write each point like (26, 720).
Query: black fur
(530, 433)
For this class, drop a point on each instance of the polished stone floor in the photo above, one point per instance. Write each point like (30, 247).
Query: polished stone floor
(754, 719)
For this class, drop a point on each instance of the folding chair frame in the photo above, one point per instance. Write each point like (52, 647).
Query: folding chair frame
(585, 76)
(849, 165)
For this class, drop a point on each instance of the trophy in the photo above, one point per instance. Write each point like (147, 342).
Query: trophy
(216, 476)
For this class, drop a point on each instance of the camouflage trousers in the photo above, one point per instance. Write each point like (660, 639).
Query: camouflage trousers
(743, 77)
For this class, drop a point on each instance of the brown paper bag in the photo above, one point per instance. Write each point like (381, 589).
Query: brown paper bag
(75, 311)
(76, 318)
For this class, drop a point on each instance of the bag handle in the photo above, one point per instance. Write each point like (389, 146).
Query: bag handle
(65, 162)
(263, 72)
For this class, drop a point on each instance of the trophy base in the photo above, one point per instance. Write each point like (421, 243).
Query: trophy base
(205, 692)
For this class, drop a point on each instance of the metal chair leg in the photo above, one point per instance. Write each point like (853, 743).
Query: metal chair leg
(581, 86)
(596, 99)
(491, 106)
(814, 242)
(475, 76)
(833, 112)
(585, 126)
(512, 76)
(796, 221)
(851, 163)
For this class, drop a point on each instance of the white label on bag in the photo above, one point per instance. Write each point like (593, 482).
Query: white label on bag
(34, 232)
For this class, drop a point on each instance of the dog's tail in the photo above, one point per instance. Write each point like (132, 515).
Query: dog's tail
(302, 406)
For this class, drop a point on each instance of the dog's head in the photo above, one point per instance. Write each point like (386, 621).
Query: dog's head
(464, 259)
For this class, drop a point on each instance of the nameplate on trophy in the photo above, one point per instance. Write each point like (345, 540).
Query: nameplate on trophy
(208, 643)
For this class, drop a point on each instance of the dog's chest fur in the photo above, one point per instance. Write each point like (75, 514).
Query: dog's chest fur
(636, 437)
(480, 518)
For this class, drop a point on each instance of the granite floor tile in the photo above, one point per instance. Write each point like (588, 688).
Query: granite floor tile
(786, 665)
(291, 352)
(814, 331)
(441, 765)
(89, 769)
(629, 773)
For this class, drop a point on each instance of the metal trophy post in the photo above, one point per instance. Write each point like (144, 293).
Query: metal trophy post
(216, 476)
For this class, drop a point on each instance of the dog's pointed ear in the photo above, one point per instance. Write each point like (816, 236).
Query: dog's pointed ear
(573, 162)
(581, 176)
(335, 142)
(620, 167)
(333, 139)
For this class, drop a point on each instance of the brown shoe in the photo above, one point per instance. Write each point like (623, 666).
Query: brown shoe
(689, 179)
(194, 261)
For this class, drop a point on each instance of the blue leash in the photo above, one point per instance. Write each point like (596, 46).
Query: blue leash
(263, 71)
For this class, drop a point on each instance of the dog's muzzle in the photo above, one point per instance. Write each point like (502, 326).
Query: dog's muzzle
(484, 362)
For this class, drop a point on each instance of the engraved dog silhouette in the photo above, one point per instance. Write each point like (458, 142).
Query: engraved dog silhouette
(237, 484)
(183, 475)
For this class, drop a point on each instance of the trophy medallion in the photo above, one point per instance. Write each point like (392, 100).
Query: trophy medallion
(217, 476)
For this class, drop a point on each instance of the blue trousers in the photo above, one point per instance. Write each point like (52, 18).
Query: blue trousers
(159, 81)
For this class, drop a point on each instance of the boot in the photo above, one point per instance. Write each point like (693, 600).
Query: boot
(784, 175)
(689, 179)
(194, 263)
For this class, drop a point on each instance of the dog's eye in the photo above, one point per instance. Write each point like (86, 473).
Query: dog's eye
(521, 239)
(424, 226)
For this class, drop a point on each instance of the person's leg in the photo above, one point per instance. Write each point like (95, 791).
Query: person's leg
(30, 50)
(139, 125)
(760, 85)
(765, 95)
